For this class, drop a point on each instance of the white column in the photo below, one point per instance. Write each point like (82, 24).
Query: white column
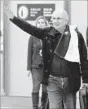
(6, 50)
(1, 50)
(2, 85)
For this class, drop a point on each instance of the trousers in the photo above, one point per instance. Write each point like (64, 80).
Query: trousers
(59, 95)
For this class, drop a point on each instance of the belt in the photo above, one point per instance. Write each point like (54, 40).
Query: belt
(58, 76)
(62, 79)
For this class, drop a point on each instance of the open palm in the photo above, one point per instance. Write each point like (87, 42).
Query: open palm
(8, 12)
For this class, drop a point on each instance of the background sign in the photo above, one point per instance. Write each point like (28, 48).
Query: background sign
(32, 11)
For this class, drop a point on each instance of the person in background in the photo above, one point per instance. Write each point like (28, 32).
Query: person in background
(62, 57)
(35, 66)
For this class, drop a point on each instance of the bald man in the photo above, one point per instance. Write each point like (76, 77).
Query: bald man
(63, 51)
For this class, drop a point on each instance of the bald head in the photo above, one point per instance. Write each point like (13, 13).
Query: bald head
(61, 13)
(60, 19)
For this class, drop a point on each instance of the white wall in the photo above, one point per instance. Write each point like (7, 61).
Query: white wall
(20, 84)
(79, 15)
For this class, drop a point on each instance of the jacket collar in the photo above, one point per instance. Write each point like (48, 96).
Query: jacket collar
(63, 43)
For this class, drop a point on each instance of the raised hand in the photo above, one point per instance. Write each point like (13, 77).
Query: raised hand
(8, 12)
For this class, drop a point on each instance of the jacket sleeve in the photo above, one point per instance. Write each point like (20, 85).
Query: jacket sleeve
(83, 58)
(30, 52)
(30, 29)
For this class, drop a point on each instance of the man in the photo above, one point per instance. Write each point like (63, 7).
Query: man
(62, 57)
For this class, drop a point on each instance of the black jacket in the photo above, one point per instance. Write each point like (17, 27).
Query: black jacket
(48, 38)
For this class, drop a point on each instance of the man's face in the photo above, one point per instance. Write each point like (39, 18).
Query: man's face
(59, 20)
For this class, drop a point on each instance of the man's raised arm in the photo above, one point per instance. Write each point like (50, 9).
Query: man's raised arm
(25, 26)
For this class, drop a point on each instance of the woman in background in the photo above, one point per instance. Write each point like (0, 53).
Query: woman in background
(35, 66)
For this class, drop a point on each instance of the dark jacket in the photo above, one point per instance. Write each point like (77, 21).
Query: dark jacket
(34, 58)
(48, 38)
